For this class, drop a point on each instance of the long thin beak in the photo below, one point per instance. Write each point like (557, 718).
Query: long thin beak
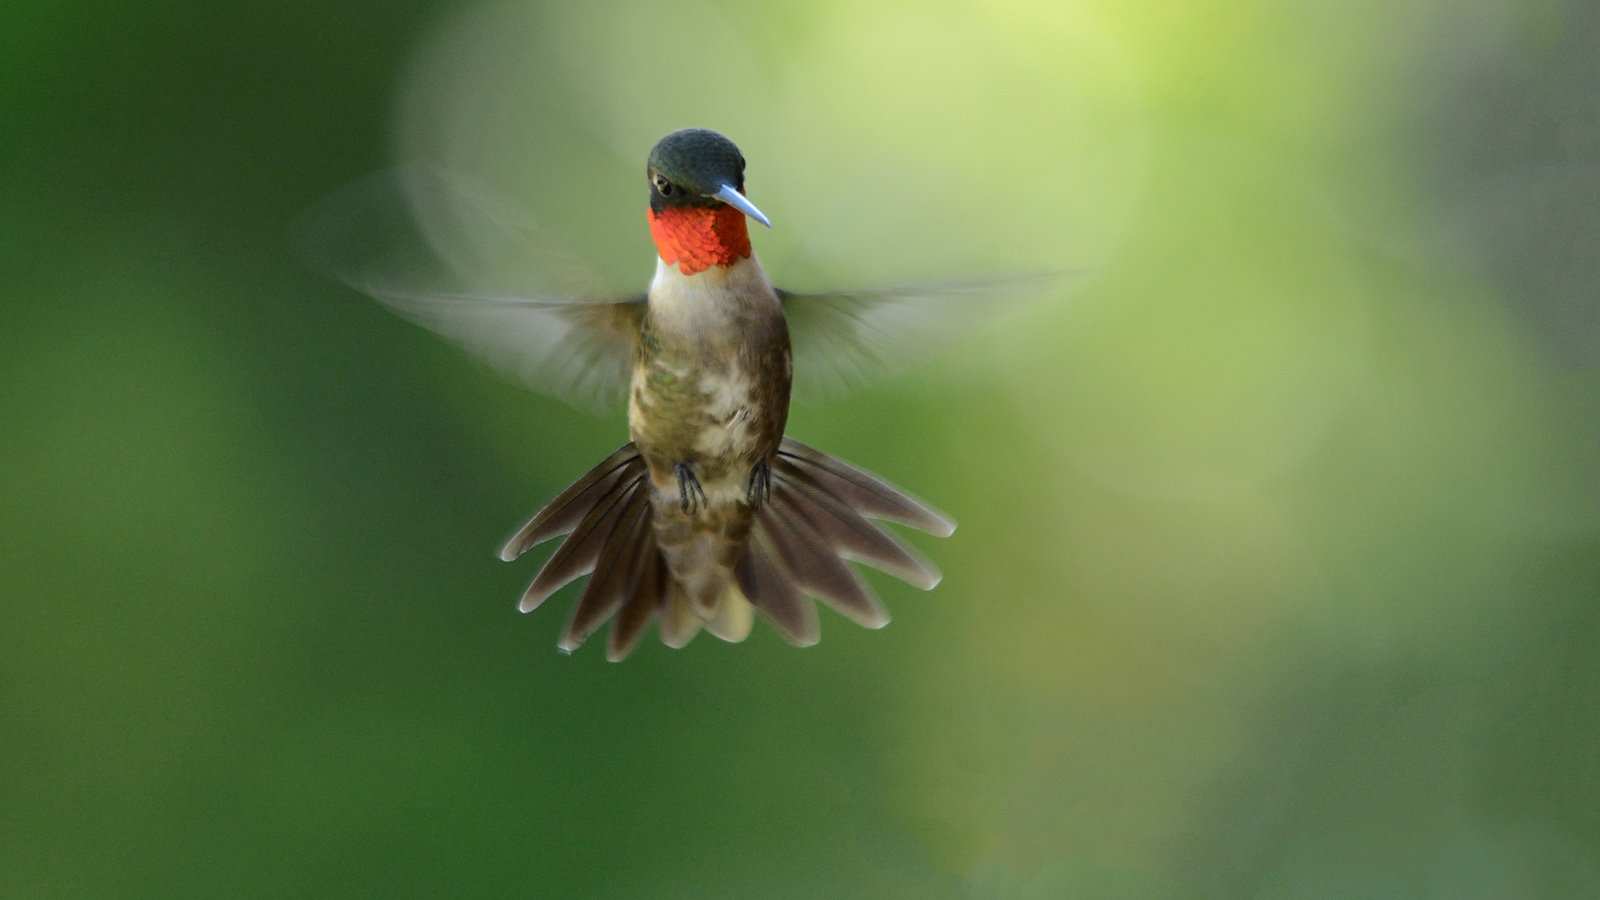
(733, 198)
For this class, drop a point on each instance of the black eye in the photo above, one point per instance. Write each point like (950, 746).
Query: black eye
(662, 185)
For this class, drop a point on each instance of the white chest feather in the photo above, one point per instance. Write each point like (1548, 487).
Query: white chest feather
(728, 398)
(703, 318)
(707, 301)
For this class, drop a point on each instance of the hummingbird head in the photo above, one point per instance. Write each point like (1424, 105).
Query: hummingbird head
(697, 202)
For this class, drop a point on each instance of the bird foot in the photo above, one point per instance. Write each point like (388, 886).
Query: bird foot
(760, 488)
(690, 493)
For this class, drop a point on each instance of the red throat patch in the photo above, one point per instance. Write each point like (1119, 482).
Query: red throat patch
(696, 238)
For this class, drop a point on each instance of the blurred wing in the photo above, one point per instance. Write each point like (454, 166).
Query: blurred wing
(843, 340)
(452, 256)
(578, 352)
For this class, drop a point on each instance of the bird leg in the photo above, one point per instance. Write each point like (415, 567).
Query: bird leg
(690, 493)
(760, 487)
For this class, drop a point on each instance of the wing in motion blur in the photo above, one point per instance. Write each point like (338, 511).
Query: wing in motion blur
(843, 340)
(454, 256)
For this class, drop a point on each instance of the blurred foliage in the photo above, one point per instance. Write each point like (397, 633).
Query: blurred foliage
(1279, 557)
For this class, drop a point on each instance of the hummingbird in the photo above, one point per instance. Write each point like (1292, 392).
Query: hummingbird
(710, 513)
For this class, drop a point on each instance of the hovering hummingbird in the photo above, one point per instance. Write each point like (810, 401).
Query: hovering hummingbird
(709, 513)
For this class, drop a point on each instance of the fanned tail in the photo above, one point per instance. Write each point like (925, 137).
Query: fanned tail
(608, 515)
(816, 518)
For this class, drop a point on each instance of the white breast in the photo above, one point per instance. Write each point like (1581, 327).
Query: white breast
(692, 304)
(704, 309)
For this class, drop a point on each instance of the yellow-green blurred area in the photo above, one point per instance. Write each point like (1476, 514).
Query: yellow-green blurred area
(1278, 573)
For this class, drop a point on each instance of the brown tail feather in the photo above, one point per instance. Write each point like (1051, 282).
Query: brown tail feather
(867, 494)
(646, 603)
(816, 518)
(563, 514)
(816, 567)
(578, 554)
(774, 591)
(617, 571)
(852, 536)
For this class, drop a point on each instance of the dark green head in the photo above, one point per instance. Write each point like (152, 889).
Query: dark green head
(698, 167)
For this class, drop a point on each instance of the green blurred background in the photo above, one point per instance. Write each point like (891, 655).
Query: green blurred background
(1278, 567)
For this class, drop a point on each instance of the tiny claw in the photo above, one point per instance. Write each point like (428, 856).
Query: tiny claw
(760, 488)
(690, 493)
